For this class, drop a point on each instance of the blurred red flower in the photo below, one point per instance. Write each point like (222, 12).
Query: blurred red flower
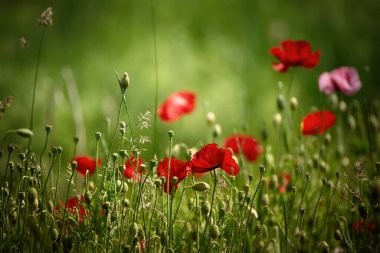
(85, 163)
(317, 122)
(358, 226)
(284, 181)
(130, 166)
(177, 105)
(245, 144)
(294, 53)
(211, 157)
(178, 169)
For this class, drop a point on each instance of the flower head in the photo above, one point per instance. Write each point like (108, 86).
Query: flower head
(345, 79)
(86, 163)
(211, 157)
(177, 168)
(46, 18)
(245, 144)
(294, 53)
(74, 206)
(130, 166)
(317, 122)
(284, 181)
(177, 105)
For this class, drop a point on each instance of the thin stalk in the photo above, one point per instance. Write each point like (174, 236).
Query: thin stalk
(209, 216)
(151, 217)
(315, 212)
(46, 182)
(284, 242)
(35, 80)
(155, 129)
(250, 208)
(44, 148)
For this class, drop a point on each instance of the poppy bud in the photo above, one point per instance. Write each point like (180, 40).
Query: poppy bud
(50, 207)
(48, 128)
(87, 198)
(342, 106)
(171, 133)
(265, 199)
(205, 207)
(222, 212)
(74, 165)
(5, 191)
(254, 213)
(327, 139)
(25, 132)
(123, 153)
(293, 103)
(175, 180)
(210, 118)
(153, 162)
(32, 195)
(374, 122)
(262, 169)
(11, 148)
(200, 187)
(76, 139)
(126, 203)
(302, 211)
(338, 235)
(277, 119)
(98, 135)
(280, 102)
(124, 81)
(54, 234)
(21, 156)
(163, 238)
(216, 131)
(214, 231)
(324, 247)
(240, 196)
(157, 183)
(351, 121)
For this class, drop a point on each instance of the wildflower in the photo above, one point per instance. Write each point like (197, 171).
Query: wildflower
(317, 123)
(177, 105)
(74, 206)
(145, 120)
(130, 166)
(345, 79)
(46, 18)
(178, 169)
(358, 226)
(86, 163)
(245, 144)
(284, 181)
(294, 53)
(211, 157)
(23, 42)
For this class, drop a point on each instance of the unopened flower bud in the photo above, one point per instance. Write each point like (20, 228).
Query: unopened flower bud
(54, 234)
(98, 135)
(214, 231)
(210, 118)
(124, 81)
(157, 183)
(48, 128)
(201, 187)
(293, 103)
(277, 119)
(32, 195)
(171, 133)
(246, 188)
(87, 197)
(175, 180)
(374, 122)
(351, 121)
(342, 106)
(324, 247)
(11, 148)
(74, 165)
(280, 102)
(338, 235)
(216, 131)
(205, 207)
(265, 199)
(262, 169)
(363, 211)
(123, 153)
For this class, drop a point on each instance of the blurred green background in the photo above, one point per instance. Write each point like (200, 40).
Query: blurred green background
(218, 49)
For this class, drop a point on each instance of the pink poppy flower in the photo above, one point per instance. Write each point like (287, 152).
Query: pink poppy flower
(345, 79)
(177, 105)
(294, 53)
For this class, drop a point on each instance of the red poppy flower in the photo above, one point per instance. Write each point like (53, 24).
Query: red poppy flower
(284, 181)
(317, 122)
(294, 53)
(130, 166)
(211, 157)
(245, 144)
(177, 105)
(85, 163)
(75, 207)
(177, 169)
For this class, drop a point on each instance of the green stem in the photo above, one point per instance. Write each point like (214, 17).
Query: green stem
(315, 212)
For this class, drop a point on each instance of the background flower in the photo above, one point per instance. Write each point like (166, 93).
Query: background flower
(130, 166)
(245, 144)
(211, 157)
(177, 105)
(345, 79)
(317, 122)
(178, 169)
(85, 163)
(294, 53)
